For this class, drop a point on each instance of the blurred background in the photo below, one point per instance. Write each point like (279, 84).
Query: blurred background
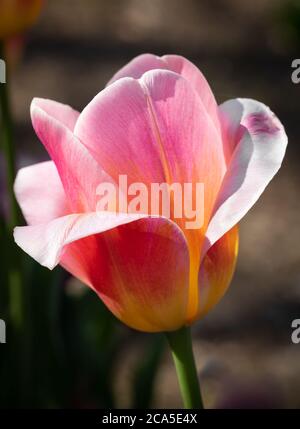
(70, 352)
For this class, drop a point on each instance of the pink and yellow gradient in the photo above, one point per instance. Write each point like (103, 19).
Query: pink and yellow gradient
(156, 121)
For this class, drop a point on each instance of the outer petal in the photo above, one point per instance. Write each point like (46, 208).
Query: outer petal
(45, 242)
(40, 193)
(63, 113)
(71, 158)
(216, 271)
(143, 289)
(178, 64)
(123, 265)
(258, 141)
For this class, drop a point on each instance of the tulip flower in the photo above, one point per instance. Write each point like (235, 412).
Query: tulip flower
(157, 121)
(17, 15)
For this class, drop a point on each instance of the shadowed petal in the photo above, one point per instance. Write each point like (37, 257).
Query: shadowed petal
(144, 289)
(123, 265)
(216, 271)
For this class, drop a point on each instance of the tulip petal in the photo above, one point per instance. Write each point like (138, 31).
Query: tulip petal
(127, 277)
(120, 264)
(45, 242)
(138, 66)
(216, 271)
(61, 112)
(115, 127)
(178, 64)
(70, 156)
(193, 153)
(194, 76)
(133, 128)
(192, 147)
(40, 193)
(258, 142)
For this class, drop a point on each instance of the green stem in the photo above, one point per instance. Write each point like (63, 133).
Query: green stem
(7, 145)
(181, 346)
(15, 280)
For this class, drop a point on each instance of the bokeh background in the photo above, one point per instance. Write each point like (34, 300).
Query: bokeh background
(71, 352)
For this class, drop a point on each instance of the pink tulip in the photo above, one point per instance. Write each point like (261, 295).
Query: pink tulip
(156, 121)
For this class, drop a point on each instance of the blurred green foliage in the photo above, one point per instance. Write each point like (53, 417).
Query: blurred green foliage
(288, 18)
(66, 353)
(146, 371)
(62, 346)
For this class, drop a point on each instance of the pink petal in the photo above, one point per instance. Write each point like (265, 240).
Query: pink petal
(71, 158)
(61, 112)
(40, 193)
(138, 66)
(115, 127)
(191, 73)
(258, 141)
(178, 64)
(191, 145)
(154, 130)
(45, 242)
(123, 265)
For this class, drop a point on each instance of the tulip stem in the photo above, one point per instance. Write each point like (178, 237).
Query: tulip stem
(180, 343)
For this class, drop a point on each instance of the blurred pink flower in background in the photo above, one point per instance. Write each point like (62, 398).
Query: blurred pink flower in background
(157, 121)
